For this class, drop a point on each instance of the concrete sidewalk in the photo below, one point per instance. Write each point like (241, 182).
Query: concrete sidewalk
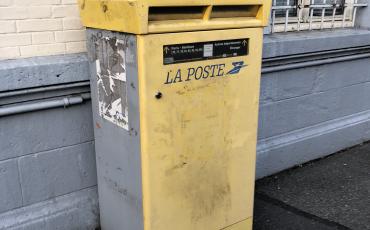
(330, 193)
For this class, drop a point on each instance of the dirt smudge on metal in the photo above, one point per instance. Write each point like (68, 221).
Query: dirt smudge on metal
(129, 198)
(203, 185)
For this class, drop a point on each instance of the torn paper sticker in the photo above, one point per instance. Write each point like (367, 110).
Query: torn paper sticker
(111, 81)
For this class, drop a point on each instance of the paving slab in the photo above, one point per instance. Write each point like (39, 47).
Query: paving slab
(332, 192)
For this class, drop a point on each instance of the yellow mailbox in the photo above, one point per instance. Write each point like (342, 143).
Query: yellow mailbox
(175, 88)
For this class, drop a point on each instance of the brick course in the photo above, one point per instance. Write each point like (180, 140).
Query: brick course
(40, 27)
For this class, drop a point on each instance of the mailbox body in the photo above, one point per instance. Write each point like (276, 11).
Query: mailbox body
(178, 152)
(175, 92)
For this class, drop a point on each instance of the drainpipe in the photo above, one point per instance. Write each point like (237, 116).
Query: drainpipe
(42, 105)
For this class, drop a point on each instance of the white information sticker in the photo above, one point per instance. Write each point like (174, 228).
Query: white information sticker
(208, 50)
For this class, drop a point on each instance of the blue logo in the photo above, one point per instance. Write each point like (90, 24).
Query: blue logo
(237, 67)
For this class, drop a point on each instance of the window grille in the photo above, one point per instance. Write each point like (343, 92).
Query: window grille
(296, 15)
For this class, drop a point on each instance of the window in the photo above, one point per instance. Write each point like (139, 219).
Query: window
(296, 15)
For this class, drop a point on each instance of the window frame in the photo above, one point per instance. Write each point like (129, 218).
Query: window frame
(305, 18)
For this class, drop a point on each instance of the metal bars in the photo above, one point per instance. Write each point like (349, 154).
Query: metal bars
(313, 14)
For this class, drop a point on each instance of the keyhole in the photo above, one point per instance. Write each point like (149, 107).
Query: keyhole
(158, 95)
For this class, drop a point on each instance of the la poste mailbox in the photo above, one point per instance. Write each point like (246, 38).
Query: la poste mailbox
(175, 88)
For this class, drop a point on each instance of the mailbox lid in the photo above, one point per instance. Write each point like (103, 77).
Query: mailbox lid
(153, 16)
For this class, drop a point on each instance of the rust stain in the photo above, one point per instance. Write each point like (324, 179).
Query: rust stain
(98, 125)
(83, 5)
(104, 6)
(124, 194)
(164, 129)
(184, 123)
(204, 186)
(188, 89)
(178, 166)
(212, 196)
(179, 92)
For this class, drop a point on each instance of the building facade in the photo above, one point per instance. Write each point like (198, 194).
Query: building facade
(314, 90)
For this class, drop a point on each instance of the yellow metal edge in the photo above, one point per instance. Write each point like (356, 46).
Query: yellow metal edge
(264, 12)
(243, 225)
(143, 140)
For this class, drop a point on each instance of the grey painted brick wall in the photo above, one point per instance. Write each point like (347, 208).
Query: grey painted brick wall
(51, 155)
(312, 112)
(284, 44)
(47, 159)
(47, 130)
(307, 113)
(57, 172)
(42, 71)
(11, 195)
(78, 210)
(305, 97)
